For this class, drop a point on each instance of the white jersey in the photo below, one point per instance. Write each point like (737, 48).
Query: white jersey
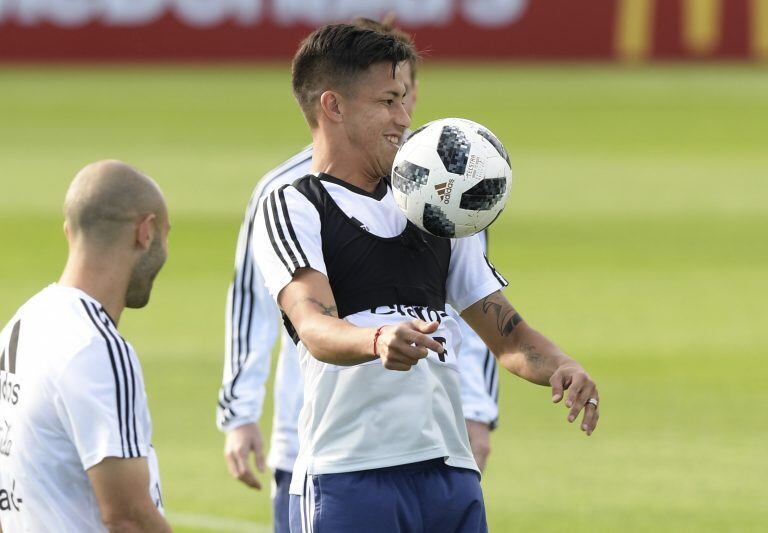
(350, 419)
(72, 395)
(252, 329)
(252, 325)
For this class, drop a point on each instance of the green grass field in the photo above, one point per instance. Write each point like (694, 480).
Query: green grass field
(636, 236)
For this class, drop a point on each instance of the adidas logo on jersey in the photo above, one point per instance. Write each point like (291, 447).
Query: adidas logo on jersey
(10, 367)
(444, 191)
(8, 499)
(9, 391)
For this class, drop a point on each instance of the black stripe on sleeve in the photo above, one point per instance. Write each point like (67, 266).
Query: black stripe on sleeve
(243, 323)
(292, 233)
(246, 311)
(280, 232)
(487, 365)
(494, 383)
(498, 276)
(241, 310)
(118, 388)
(129, 392)
(271, 235)
(127, 352)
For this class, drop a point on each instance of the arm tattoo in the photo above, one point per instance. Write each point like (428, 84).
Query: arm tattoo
(506, 317)
(328, 310)
(531, 355)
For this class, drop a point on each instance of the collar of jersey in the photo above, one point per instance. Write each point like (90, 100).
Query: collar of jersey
(378, 194)
(85, 295)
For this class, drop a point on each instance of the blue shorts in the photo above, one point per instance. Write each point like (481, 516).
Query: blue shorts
(425, 497)
(280, 500)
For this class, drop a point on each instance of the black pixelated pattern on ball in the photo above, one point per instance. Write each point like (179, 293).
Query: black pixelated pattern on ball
(484, 195)
(453, 149)
(407, 177)
(437, 223)
(491, 138)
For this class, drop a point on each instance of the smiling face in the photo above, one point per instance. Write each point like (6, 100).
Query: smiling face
(375, 117)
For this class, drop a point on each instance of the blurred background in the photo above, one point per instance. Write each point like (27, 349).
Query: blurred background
(636, 234)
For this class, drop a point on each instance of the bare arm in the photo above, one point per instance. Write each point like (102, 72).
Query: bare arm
(480, 441)
(309, 303)
(122, 490)
(527, 353)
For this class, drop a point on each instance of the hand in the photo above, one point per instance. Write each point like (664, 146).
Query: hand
(480, 441)
(239, 443)
(401, 346)
(572, 377)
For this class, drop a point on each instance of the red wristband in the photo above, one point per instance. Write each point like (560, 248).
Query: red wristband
(375, 339)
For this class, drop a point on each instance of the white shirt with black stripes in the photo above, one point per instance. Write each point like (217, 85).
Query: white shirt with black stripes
(352, 417)
(72, 395)
(252, 326)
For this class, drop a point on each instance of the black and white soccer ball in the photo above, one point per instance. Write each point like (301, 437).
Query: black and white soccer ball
(451, 177)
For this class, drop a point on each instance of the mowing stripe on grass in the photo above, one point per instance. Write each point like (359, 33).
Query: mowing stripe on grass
(217, 523)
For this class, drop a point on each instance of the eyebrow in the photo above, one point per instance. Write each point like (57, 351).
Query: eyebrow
(397, 93)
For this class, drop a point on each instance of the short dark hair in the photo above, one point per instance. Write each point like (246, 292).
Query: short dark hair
(332, 57)
(387, 26)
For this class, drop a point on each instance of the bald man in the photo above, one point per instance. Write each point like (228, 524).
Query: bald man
(75, 430)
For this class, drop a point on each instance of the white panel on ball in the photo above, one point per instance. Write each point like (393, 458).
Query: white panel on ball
(452, 177)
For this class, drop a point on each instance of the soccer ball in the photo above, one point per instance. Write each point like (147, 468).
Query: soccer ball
(451, 177)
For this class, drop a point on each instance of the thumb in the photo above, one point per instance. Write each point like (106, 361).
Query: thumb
(425, 327)
(557, 387)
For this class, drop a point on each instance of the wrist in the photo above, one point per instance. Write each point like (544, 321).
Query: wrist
(376, 335)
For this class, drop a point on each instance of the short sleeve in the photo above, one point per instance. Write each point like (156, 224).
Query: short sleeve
(96, 402)
(470, 275)
(286, 237)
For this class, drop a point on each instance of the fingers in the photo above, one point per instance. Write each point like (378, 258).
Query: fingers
(581, 389)
(557, 387)
(249, 479)
(240, 442)
(579, 394)
(237, 463)
(425, 327)
(405, 344)
(591, 416)
(419, 335)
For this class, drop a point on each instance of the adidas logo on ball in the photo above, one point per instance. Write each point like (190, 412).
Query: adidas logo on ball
(444, 191)
(451, 177)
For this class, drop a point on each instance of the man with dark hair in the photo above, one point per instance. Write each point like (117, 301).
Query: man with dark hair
(77, 437)
(251, 330)
(383, 442)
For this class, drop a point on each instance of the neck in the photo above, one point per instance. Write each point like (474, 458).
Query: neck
(99, 279)
(344, 164)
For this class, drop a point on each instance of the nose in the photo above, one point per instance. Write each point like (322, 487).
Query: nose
(402, 118)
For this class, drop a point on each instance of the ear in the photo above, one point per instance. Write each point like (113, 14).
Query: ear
(145, 231)
(331, 105)
(66, 230)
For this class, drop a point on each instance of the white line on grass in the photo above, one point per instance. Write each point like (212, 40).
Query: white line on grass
(217, 523)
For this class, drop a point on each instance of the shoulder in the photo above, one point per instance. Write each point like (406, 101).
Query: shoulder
(97, 337)
(60, 325)
(284, 174)
(60, 316)
(291, 201)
